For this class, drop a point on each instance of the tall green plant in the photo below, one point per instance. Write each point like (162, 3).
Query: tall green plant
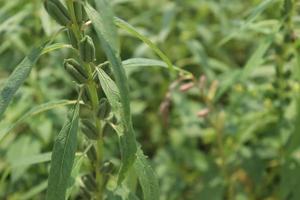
(94, 111)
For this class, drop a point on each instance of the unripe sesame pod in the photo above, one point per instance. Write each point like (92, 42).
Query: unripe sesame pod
(78, 67)
(72, 39)
(104, 109)
(92, 154)
(107, 167)
(85, 111)
(87, 49)
(57, 11)
(73, 68)
(107, 129)
(89, 129)
(89, 182)
(86, 97)
(85, 194)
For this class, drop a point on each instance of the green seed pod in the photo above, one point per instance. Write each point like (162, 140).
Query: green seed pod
(104, 109)
(92, 154)
(89, 182)
(107, 167)
(85, 194)
(57, 11)
(85, 111)
(89, 129)
(72, 39)
(78, 67)
(86, 97)
(72, 68)
(107, 129)
(87, 49)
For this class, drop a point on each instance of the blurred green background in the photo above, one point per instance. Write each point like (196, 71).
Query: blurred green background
(233, 134)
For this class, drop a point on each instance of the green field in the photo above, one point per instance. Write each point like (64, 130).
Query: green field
(150, 100)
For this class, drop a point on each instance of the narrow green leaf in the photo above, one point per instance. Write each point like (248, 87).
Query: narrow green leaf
(63, 156)
(147, 177)
(253, 15)
(34, 111)
(124, 25)
(31, 159)
(104, 21)
(35, 190)
(21, 72)
(256, 58)
(133, 64)
(17, 78)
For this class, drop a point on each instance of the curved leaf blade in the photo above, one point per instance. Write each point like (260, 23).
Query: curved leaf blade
(17, 78)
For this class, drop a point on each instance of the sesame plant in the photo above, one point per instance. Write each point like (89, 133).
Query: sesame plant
(102, 105)
(154, 100)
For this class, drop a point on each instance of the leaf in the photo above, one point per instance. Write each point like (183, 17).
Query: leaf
(253, 15)
(35, 190)
(21, 72)
(31, 159)
(147, 177)
(110, 89)
(124, 25)
(134, 64)
(34, 111)
(256, 58)
(63, 156)
(104, 21)
(17, 78)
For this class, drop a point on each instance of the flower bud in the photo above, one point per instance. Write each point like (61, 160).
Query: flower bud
(87, 49)
(57, 11)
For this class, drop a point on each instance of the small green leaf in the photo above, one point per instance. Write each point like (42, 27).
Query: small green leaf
(63, 157)
(110, 89)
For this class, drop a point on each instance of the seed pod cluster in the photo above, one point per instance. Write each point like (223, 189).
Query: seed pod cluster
(75, 70)
(57, 11)
(87, 49)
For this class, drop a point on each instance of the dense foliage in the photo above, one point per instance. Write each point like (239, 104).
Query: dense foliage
(230, 131)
